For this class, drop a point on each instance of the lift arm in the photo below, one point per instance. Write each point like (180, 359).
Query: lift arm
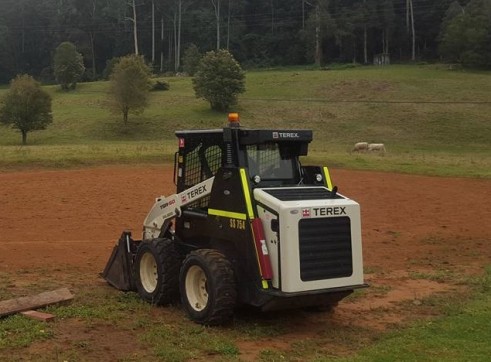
(166, 208)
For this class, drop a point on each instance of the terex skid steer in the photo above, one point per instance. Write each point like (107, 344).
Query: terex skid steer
(248, 225)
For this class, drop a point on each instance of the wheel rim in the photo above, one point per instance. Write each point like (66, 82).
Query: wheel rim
(148, 272)
(196, 288)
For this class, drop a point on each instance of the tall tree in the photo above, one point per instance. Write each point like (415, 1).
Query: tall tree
(387, 21)
(135, 28)
(216, 8)
(258, 32)
(26, 106)
(179, 8)
(410, 26)
(153, 32)
(467, 36)
(321, 25)
(88, 16)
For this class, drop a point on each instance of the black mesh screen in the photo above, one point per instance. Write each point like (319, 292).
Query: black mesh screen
(201, 163)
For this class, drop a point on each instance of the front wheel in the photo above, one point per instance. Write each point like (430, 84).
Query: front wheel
(157, 271)
(207, 285)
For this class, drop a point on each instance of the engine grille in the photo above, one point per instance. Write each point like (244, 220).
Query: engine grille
(325, 248)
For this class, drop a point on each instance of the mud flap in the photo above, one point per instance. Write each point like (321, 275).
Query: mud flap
(118, 270)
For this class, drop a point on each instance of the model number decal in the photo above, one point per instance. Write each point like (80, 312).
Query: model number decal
(171, 202)
(237, 224)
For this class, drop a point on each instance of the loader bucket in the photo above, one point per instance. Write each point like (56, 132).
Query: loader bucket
(118, 270)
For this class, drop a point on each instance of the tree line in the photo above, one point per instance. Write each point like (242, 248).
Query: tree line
(256, 32)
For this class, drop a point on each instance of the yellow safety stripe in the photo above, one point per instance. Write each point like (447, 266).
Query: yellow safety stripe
(250, 212)
(327, 177)
(229, 214)
(247, 194)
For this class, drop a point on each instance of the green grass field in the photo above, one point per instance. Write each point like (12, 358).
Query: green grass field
(432, 120)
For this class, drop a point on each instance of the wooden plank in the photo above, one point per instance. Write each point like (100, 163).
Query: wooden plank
(17, 305)
(40, 316)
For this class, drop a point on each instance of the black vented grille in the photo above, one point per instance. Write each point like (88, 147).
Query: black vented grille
(302, 193)
(325, 248)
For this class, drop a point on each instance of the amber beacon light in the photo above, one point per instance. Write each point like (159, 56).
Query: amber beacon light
(233, 118)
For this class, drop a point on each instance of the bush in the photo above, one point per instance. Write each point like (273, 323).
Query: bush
(219, 80)
(110, 64)
(191, 60)
(160, 85)
(68, 65)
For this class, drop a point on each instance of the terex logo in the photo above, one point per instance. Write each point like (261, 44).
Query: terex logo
(285, 135)
(193, 193)
(326, 211)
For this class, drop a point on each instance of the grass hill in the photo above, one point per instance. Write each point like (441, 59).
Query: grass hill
(431, 120)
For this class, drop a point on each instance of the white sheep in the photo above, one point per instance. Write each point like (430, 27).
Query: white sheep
(360, 147)
(376, 147)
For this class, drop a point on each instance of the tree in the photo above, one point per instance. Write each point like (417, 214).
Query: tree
(26, 106)
(410, 15)
(191, 59)
(68, 65)
(466, 37)
(180, 8)
(219, 80)
(135, 26)
(216, 8)
(322, 25)
(130, 85)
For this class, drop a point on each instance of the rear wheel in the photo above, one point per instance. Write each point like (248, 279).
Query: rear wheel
(207, 285)
(157, 271)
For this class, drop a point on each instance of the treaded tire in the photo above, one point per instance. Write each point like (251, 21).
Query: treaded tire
(207, 285)
(156, 271)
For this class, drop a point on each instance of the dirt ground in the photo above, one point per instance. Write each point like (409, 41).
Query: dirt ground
(412, 225)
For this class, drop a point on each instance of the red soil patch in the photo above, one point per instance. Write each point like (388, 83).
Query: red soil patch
(68, 221)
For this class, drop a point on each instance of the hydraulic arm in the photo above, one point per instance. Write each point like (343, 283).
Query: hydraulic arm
(166, 208)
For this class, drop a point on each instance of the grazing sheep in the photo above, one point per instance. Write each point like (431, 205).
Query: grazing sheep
(360, 147)
(376, 147)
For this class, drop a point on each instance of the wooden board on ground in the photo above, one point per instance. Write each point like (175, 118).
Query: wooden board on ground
(40, 316)
(17, 305)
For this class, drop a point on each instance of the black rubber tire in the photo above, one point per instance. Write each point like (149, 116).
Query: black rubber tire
(208, 288)
(156, 271)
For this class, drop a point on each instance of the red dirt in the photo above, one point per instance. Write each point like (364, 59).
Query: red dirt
(68, 221)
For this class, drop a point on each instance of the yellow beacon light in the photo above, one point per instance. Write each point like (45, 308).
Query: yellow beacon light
(233, 119)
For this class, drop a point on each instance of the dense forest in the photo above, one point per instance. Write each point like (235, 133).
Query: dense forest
(257, 32)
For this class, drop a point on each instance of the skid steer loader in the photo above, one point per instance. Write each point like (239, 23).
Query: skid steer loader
(248, 225)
